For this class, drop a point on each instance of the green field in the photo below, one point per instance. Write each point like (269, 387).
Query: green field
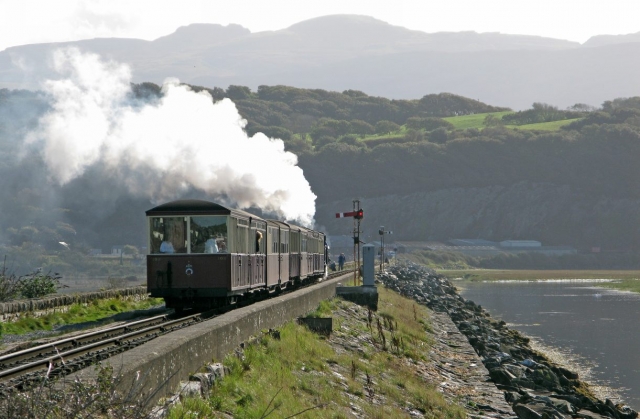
(477, 121)
(401, 132)
(473, 121)
(545, 126)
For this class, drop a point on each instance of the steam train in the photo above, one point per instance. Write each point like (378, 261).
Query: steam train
(204, 255)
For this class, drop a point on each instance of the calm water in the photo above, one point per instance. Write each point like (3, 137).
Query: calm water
(596, 327)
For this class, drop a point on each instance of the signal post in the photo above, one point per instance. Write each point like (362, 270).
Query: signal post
(357, 214)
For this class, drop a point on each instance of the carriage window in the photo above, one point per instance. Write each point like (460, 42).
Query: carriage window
(273, 233)
(209, 234)
(168, 234)
(284, 241)
(259, 240)
(241, 245)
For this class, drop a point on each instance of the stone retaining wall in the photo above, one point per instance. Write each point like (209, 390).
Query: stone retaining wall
(40, 306)
(156, 368)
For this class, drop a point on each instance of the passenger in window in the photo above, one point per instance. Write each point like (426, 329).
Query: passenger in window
(166, 247)
(222, 247)
(210, 246)
(258, 241)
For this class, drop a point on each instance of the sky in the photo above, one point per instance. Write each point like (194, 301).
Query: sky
(40, 21)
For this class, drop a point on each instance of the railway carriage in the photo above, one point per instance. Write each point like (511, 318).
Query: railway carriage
(202, 254)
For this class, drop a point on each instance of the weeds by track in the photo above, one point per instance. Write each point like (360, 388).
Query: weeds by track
(23, 369)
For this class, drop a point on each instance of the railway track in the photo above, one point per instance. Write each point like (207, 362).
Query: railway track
(22, 369)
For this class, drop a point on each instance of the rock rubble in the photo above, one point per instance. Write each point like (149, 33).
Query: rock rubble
(534, 386)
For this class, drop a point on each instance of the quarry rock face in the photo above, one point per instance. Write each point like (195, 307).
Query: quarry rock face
(534, 386)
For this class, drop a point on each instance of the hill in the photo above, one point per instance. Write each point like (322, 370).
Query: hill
(361, 53)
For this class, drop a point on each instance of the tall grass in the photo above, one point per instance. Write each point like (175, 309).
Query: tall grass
(77, 313)
(305, 375)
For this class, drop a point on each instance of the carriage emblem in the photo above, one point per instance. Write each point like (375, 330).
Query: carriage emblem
(188, 270)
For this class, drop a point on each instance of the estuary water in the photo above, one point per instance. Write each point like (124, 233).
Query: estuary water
(592, 328)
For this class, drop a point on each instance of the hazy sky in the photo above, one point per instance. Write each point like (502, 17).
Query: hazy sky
(36, 21)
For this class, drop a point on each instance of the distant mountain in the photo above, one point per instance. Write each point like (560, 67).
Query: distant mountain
(359, 52)
(599, 40)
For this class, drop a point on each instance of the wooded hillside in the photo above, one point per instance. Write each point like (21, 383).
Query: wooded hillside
(415, 171)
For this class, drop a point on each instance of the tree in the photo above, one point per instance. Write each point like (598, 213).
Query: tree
(130, 250)
(492, 121)
(277, 132)
(581, 107)
(414, 135)
(238, 92)
(298, 145)
(439, 136)
(361, 128)
(386, 127)
(428, 124)
(349, 139)
(330, 127)
(323, 141)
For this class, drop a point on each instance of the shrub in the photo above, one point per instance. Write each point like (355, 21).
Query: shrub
(9, 285)
(38, 285)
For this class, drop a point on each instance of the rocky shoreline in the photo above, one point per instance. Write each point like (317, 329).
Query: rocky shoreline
(532, 385)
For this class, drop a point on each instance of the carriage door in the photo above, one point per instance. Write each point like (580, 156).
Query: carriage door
(273, 255)
(241, 248)
(257, 249)
(284, 254)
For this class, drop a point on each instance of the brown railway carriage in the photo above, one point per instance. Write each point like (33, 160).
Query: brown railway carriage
(203, 254)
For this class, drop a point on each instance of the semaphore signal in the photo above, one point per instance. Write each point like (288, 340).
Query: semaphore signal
(358, 215)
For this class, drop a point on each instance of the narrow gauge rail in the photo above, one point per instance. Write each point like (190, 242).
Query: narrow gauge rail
(11, 360)
(73, 359)
(71, 354)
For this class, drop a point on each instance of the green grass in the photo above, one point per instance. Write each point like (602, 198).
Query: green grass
(400, 133)
(301, 372)
(545, 126)
(77, 313)
(473, 121)
(628, 280)
(477, 121)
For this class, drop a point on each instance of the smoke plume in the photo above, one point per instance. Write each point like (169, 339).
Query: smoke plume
(162, 148)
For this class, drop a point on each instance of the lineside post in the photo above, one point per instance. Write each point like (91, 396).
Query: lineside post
(357, 215)
(356, 241)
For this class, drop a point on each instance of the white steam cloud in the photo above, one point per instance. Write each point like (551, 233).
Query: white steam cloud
(161, 149)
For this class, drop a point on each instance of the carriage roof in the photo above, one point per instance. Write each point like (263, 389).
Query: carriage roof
(197, 207)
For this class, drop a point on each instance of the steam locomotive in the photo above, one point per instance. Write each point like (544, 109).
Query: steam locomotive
(204, 255)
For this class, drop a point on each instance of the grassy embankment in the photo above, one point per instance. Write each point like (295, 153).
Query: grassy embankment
(477, 121)
(624, 280)
(303, 372)
(77, 313)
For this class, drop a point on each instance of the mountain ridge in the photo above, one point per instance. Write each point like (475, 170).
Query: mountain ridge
(323, 52)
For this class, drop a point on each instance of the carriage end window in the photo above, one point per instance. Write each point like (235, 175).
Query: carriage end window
(168, 235)
(209, 234)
